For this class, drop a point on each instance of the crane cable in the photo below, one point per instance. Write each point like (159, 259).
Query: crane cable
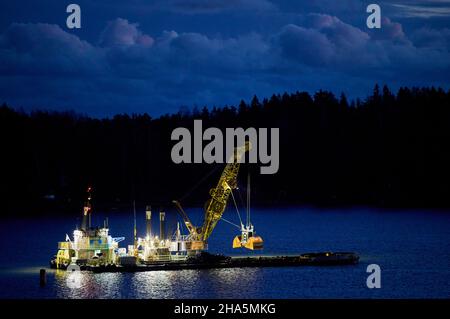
(197, 185)
(225, 220)
(235, 205)
(193, 188)
(248, 200)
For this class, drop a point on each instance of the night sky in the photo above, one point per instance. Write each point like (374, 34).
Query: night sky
(159, 56)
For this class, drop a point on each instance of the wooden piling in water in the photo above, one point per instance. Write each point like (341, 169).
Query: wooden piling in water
(42, 277)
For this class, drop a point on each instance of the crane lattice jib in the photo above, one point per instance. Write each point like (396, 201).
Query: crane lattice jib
(216, 205)
(191, 228)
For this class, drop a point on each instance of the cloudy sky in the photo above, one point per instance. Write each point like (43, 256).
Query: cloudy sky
(156, 56)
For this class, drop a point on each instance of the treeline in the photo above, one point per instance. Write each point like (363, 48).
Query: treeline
(387, 150)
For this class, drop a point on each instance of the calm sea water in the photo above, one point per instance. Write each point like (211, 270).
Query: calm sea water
(411, 247)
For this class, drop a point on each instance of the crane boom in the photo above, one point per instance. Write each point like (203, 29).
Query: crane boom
(216, 205)
(191, 228)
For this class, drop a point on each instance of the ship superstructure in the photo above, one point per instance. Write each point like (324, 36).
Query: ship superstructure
(90, 245)
(153, 248)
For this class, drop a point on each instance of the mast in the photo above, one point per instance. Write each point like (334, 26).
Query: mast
(135, 230)
(148, 219)
(87, 209)
(162, 217)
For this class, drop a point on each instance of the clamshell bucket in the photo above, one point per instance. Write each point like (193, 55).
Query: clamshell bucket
(252, 243)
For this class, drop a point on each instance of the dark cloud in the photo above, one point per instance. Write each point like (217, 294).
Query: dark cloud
(328, 42)
(307, 46)
(390, 31)
(127, 69)
(432, 38)
(421, 8)
(122, 33)
(44, 49)
(215, 6)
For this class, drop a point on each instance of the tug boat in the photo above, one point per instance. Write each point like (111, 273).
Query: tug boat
(89, 246)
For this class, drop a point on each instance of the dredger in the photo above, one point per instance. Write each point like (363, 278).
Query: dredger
(92, 248)
(95, 247)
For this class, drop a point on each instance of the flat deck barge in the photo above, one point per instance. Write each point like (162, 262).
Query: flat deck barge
(218, 261)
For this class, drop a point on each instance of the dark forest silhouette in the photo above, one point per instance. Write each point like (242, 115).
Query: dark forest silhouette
(388, 150)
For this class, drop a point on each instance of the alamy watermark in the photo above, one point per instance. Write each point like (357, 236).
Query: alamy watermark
(374, 279)
(374, 19)
(215, 152)
(73, 20)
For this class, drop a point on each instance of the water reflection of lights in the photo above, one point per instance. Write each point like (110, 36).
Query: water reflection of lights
(152, 284)
(170, 284)
(81, 284)
(70, 284)
(74, 279)
(164, 284)
(110, 283)
(220, 283)
(223, 283)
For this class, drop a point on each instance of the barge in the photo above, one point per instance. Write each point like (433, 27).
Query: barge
(208, 261)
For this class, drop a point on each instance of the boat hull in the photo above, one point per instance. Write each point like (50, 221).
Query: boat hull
(312, 259)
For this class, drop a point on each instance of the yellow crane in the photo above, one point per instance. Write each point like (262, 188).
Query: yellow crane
(216, 205)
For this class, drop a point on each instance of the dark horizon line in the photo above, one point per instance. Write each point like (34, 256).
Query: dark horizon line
(73, 112)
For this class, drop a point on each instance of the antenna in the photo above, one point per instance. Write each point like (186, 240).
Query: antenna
(134, 217)
(89, 205)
